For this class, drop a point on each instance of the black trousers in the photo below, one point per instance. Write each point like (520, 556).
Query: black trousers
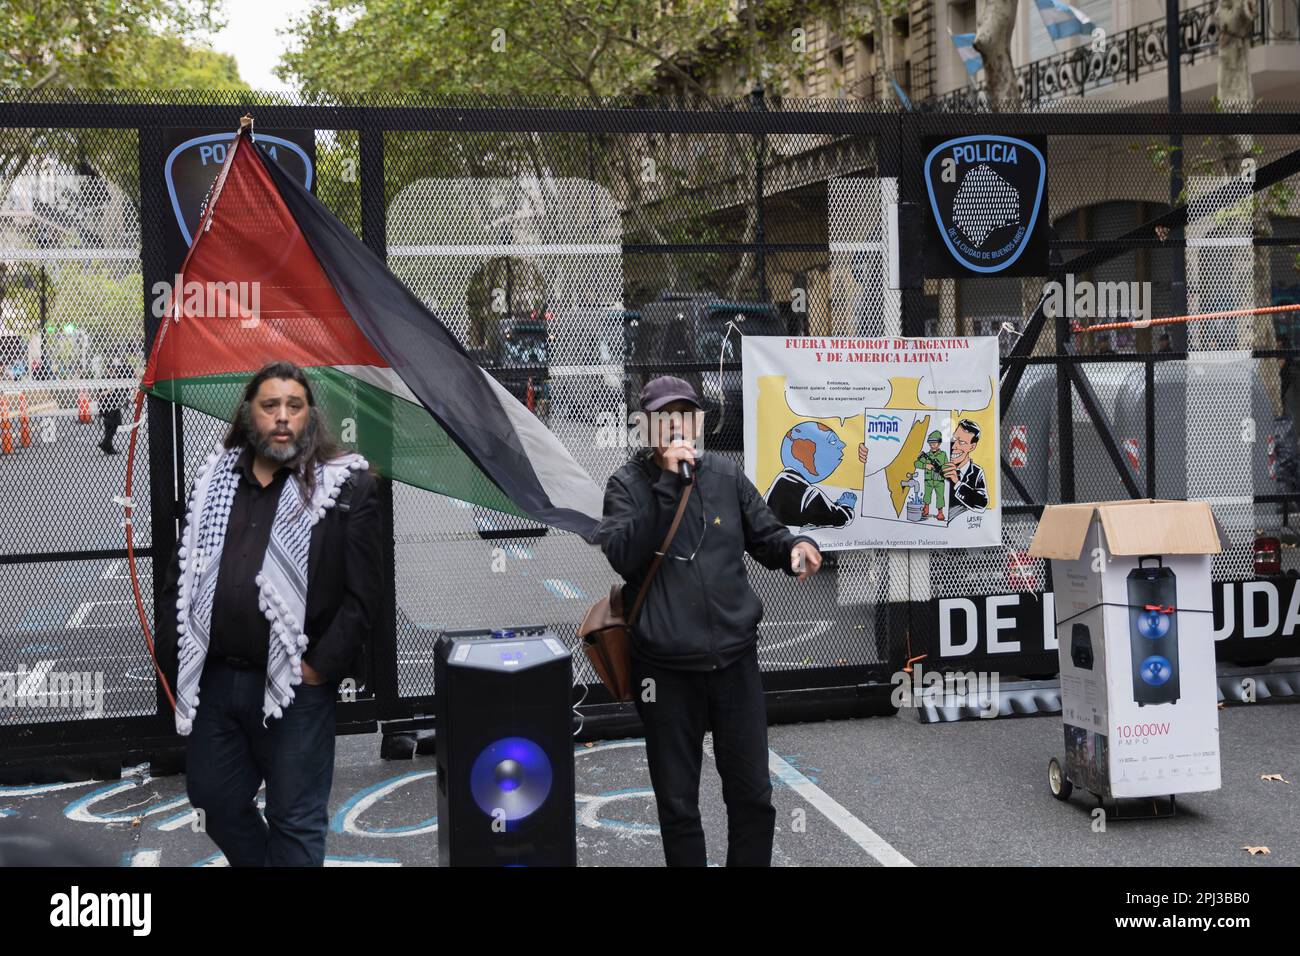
(112, 421)
(676, 709)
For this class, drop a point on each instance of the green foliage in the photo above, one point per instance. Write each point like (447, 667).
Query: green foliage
(583, 48)
(105, 43)
(92, 298)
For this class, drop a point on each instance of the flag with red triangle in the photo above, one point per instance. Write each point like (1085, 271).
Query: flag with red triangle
(393, 382)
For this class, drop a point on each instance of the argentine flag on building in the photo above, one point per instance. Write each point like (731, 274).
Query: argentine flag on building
(1063, 20)
(965, 44)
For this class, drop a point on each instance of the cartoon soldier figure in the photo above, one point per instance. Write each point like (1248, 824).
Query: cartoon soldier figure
(933, 461)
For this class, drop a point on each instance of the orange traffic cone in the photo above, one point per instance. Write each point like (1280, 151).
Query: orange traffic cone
(24, 429)
(83, 407)
(6, 439)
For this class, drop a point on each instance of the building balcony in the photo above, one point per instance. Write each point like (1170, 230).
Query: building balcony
(1130, 65)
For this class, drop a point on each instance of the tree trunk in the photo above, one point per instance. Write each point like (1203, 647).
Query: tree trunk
(994, 21)
(1236, 20)
(884, 31)
(1236, 94)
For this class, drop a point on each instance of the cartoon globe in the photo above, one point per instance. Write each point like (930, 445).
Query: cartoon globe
(812, 449)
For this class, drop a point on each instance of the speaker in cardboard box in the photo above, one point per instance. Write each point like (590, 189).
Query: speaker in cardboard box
(1153, 632)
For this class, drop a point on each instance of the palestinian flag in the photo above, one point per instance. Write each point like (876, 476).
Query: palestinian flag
(274, 275)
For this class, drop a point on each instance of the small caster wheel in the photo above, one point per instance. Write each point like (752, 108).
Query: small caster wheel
(1058, 781)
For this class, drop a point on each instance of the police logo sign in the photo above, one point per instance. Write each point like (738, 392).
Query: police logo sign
(194, 157)
(986, 194)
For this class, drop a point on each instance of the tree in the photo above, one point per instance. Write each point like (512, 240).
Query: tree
(1236, 22)
(95, 44)
(588, 50)
(99, 44)
(994, 21)
(1238, 156)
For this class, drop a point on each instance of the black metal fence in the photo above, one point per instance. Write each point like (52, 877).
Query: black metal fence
(771, 211)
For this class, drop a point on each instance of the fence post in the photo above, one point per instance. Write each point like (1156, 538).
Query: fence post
(166, 492)
(374, 226)
(760, 158)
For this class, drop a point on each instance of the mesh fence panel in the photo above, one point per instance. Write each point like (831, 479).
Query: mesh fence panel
(71, 350)
(556, 257)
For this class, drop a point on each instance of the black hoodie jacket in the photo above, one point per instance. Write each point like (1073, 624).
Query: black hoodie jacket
(700, 614)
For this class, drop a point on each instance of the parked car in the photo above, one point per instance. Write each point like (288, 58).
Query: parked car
(688, 335)
(516, 352)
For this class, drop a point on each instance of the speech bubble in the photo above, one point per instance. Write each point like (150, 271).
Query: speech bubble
(835, 398)
(954, 390)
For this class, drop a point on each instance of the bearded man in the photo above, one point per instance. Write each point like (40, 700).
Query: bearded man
(273, 589)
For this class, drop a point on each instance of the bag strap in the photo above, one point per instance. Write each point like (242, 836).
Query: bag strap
(659, 558)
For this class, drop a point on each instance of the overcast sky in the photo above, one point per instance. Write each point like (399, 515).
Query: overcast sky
(250, 36)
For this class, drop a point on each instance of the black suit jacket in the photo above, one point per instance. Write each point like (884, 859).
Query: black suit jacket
(970, 491)
(345, 582)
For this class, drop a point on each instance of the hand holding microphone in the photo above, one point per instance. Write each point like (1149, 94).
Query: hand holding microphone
(679, 456)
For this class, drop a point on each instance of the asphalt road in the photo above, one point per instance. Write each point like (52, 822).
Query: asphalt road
(869, 792)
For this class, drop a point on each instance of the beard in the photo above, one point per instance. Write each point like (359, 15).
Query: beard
(279, 452)
(265, 445)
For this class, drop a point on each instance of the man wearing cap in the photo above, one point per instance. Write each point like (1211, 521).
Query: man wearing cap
(695, 640)
(934, 462)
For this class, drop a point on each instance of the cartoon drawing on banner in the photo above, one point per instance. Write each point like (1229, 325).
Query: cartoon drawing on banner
(875, 442)
(811, 452)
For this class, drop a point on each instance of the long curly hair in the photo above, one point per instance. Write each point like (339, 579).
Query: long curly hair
(317, 444)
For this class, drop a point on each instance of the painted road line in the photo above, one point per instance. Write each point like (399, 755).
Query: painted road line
(347, 817)
(79, 616)
(146, 858)
(36, 789)
(591, 806)
(42, 616)
(851, 826)
(80, 810)
(815, 629)
(219, 859)
(110, 572)
(564, 590)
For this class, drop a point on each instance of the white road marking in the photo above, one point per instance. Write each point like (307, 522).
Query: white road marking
(350, 820)
(815, 629)
(851, 826)
(36, 789)
(79, 616)
(147, 858)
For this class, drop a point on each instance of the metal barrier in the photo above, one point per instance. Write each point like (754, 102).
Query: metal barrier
(597, 222)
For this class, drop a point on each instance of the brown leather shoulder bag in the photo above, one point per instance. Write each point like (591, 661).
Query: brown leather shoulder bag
(607, 636)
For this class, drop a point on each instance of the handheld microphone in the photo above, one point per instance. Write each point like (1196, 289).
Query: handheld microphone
(684, 470)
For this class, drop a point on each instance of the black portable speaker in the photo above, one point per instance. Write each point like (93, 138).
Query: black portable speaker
(503, 700)
(1153, 632)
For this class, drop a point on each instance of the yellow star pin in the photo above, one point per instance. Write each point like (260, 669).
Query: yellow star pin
(717, 519)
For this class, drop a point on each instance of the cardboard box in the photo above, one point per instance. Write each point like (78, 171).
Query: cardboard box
(1134, 626)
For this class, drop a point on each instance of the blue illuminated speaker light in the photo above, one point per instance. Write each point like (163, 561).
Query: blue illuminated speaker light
(1153, 624)
(1156, 670)
(511, 775)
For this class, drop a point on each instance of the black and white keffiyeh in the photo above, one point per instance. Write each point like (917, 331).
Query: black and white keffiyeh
(282, 580)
